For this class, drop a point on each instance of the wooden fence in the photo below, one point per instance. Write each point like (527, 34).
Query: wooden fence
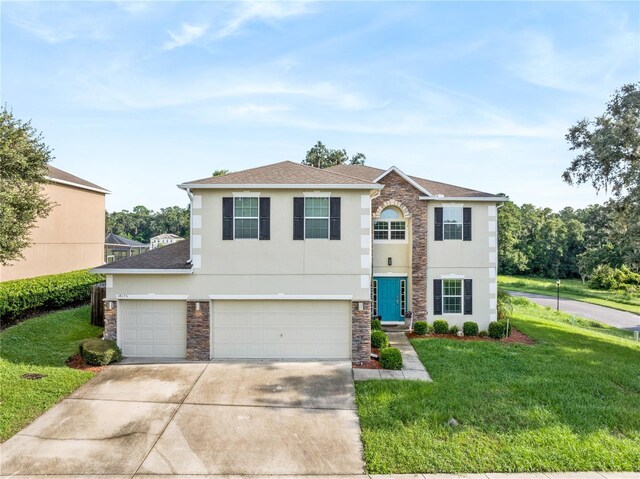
(98, 292)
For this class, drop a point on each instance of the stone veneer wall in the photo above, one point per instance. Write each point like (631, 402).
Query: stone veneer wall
(398, 189)
(198, 332)
(360, 332)
(110, 320)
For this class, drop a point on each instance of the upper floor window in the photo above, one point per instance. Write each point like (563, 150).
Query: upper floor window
(245, 217)
(316, 218)
(452, 221)
(390, 226)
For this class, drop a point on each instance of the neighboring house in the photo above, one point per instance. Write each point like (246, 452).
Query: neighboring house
(163, 240)
(118, 247)
(71, 237)
(283, 261)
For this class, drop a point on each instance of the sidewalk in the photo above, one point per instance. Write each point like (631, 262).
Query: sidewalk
(412, 367)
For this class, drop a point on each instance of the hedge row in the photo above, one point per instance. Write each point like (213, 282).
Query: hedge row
(22, 296)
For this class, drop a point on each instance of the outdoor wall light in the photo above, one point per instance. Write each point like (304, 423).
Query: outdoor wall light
(360, 306)
(389, 261)
(198, 306)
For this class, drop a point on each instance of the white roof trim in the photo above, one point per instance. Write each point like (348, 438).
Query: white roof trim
(77, 185)
(407, 178)
(289, 297)
(280, 186)
(492, 199)
(140, 271)
(165, 297)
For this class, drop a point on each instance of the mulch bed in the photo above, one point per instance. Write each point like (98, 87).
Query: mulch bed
(76, 362)
(371, 364)
(516, 337)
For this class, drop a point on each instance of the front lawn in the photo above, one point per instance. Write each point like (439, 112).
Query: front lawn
(572, 289)
(40, 345)
(568, 403)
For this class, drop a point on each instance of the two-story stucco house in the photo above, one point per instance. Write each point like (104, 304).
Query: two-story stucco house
(288, 261)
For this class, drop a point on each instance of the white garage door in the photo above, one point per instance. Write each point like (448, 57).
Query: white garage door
(281, 329)
(155, 329)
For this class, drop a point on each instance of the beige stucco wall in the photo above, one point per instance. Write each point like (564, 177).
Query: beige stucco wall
(280, 265)
(475, 259)
(69, 239)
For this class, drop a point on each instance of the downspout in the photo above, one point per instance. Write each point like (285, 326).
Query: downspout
(190, 195)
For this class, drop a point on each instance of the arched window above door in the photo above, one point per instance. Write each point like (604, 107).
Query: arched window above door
(391, 225)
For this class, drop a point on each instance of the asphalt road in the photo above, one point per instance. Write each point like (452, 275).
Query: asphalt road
(610, 316)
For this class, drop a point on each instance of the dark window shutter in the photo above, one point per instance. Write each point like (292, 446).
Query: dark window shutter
(265, 219)
(466, 225)
(438, 224)
(334, 218)
(298, 218)
(437, 296)
(227, 218)
(468, 296)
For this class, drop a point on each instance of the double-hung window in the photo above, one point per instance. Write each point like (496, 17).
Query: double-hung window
(452, 296)
(245, 218)
(390, 226)
(316, 218)
(452, 217)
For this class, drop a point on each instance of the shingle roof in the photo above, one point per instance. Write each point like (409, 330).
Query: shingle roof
(369, 173)
(112, 238)
(58, 175)
(283, 173)
(173, 256)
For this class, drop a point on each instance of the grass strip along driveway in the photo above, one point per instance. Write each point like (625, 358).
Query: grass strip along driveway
(573, 289)
(567, 403)
(40, 346)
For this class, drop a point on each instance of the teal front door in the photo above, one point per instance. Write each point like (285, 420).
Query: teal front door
(390, 295)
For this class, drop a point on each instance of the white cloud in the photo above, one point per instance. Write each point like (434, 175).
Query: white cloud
(188, 34)
(261, 10)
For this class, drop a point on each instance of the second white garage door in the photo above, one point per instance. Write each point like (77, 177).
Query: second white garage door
(153, 329)
(275, 329)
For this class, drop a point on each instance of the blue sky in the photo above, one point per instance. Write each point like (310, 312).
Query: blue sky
(139, 96)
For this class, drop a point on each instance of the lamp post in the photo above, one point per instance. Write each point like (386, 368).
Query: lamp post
(558, 295)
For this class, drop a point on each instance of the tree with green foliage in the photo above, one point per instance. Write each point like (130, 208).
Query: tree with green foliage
(319, 156)
(142, 223)
(23, 171)
(220, 172)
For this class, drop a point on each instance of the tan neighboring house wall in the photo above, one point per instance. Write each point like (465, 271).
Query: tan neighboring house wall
(70, 238)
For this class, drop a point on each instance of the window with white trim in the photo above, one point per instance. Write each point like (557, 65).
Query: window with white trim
(316, 218)
(452, 219)
(452, 296)
(245, 217)
(390, 226)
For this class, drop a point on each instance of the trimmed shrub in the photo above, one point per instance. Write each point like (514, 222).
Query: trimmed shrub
(100, 352)
(454, 329)
(376, 325)
(420, 327)
(498, 329)
(470, 328)
(379, 340)
(483, 334)
(390, 358)
(19, 297)
(608, 278)
(440, 326)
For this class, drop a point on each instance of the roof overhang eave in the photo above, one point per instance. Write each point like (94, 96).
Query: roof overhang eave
(280, 186)
(491, 199)
(101, 270)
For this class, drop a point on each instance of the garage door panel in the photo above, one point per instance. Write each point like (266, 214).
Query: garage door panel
(279, 329)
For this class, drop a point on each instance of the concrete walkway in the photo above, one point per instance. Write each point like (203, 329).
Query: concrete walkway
(412, 367)
(610, 316)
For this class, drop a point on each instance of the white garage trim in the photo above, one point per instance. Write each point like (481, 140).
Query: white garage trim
(152, 296)
(285, 297)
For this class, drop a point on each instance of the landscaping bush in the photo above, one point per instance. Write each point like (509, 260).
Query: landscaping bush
(483, 334)
(19, 297)
(498, 329)
(470, 328)
(376, 325)
(608, 278)
(390, 358)
(420, 327)
(379, 340)
(440, 326)
(100, 352)
(504, 305)
(454, 329)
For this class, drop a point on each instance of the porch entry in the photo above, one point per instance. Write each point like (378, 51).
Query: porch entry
(390, 298)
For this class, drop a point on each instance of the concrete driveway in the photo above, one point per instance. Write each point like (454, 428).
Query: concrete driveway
(211, 418)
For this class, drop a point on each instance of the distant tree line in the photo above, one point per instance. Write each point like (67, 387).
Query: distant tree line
(141, 224)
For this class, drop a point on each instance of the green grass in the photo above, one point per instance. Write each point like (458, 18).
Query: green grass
(568, 403)
(40, 345)
(573, 289)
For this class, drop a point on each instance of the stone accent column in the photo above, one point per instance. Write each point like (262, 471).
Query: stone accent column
(198, 331)
(110, 319)
(360, 332)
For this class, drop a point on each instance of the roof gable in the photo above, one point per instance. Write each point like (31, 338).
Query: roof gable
(57, 175)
